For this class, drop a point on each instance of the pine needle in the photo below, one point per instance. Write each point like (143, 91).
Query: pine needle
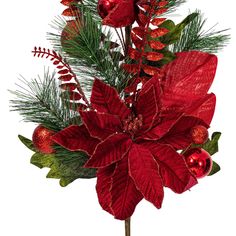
(39, 101)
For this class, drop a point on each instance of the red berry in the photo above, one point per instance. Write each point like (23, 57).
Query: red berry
(105, 6)
(199, 134)
(42, 140)
(198, 161)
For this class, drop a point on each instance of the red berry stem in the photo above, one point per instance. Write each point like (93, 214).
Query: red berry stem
(127, 227)
(64, 67)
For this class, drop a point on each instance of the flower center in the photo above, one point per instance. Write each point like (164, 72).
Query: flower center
(132, 124)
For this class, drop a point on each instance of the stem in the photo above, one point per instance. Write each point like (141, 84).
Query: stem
(127, 227)
(121, 41)
(127, 38)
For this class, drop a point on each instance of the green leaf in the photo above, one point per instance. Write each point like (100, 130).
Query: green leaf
(215, 169)
(168, 24)
(64, 165)
(175, 34)
(27, 142)
(211, 146)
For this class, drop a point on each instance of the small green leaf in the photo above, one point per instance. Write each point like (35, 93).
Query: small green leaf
(27, 142)
(211, 146)
(168, 24)
(175, 34)
(42, 160)
(215, 169)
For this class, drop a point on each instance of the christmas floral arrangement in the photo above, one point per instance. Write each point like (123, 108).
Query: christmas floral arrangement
(128, 102)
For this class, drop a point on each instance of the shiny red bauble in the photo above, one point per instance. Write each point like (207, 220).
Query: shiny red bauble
(42, 140)
(199, 134)
(106, 6)
(198, 161)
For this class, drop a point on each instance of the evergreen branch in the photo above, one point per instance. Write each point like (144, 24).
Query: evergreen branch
(91, 51)
(193, 37)
(39, 101)
(61, 64)
(173, 4)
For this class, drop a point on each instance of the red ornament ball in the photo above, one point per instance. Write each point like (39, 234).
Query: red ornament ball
(199, 134)
(198, 161)
(106, 6)
(42, 139)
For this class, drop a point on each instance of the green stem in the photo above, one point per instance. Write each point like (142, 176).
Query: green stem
(127, 227)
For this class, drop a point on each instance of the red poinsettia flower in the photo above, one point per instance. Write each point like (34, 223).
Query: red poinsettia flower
(135, 149)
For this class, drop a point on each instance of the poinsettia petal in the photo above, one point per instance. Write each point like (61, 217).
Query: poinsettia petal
(191, 73)
(179, 135)
(122, 15)
(204, 108)
(100, 125)
(173, 168)
(104, 98)
(147, 107)
(111, 150)
(144, 171)
(103, 186)
(124, 193)
(76, 138)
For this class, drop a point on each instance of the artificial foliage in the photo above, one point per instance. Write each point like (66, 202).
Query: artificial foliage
(128, 103)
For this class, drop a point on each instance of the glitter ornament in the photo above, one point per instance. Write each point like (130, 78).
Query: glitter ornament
(199, 134)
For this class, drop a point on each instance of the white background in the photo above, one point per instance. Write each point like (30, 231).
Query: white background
(30, 204)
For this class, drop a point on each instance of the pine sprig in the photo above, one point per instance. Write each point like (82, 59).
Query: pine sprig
(193, 37)
(91, 51)
(39, 101)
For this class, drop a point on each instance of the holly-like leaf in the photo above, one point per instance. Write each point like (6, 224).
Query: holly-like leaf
(64, 165)
(27, 142)
(215, 169)
(211, 146)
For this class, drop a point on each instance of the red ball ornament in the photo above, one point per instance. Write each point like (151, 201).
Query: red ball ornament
(106, 6)
(198, 161)
(199, 134)
(42, 140)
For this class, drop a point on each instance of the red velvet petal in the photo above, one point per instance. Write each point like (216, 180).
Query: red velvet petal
(125, 195)
(104, 181)
(147, 107)
(122, 15)
(76, 138)
(173, 168)
(100, 125)
(190, 74)
(144, 171)
(106, 99)
(111, 150)
(179, 134)
(204, 108)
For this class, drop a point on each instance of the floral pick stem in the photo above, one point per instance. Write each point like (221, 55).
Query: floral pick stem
(127, 227)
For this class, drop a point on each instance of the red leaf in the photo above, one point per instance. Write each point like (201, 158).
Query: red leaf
(158, 32)
(68, 86)
(190, 74)
(139, 31)
(154, 56)
(134, 54)
(63, 72)
(71, 11)
(156, 45)
(179, 134)
(143, 18)
(151, 70)
(106, 99)
(158, 21)
(125, 195)
(144, 171)
(68, 2)
(67, 77)
(76, 138)
(100, 125)
(133, 86)
(173, 168)
(162, 3)
(138, 42)
(147, 107)
(111, 150)
(104, 181)
(161, 11)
